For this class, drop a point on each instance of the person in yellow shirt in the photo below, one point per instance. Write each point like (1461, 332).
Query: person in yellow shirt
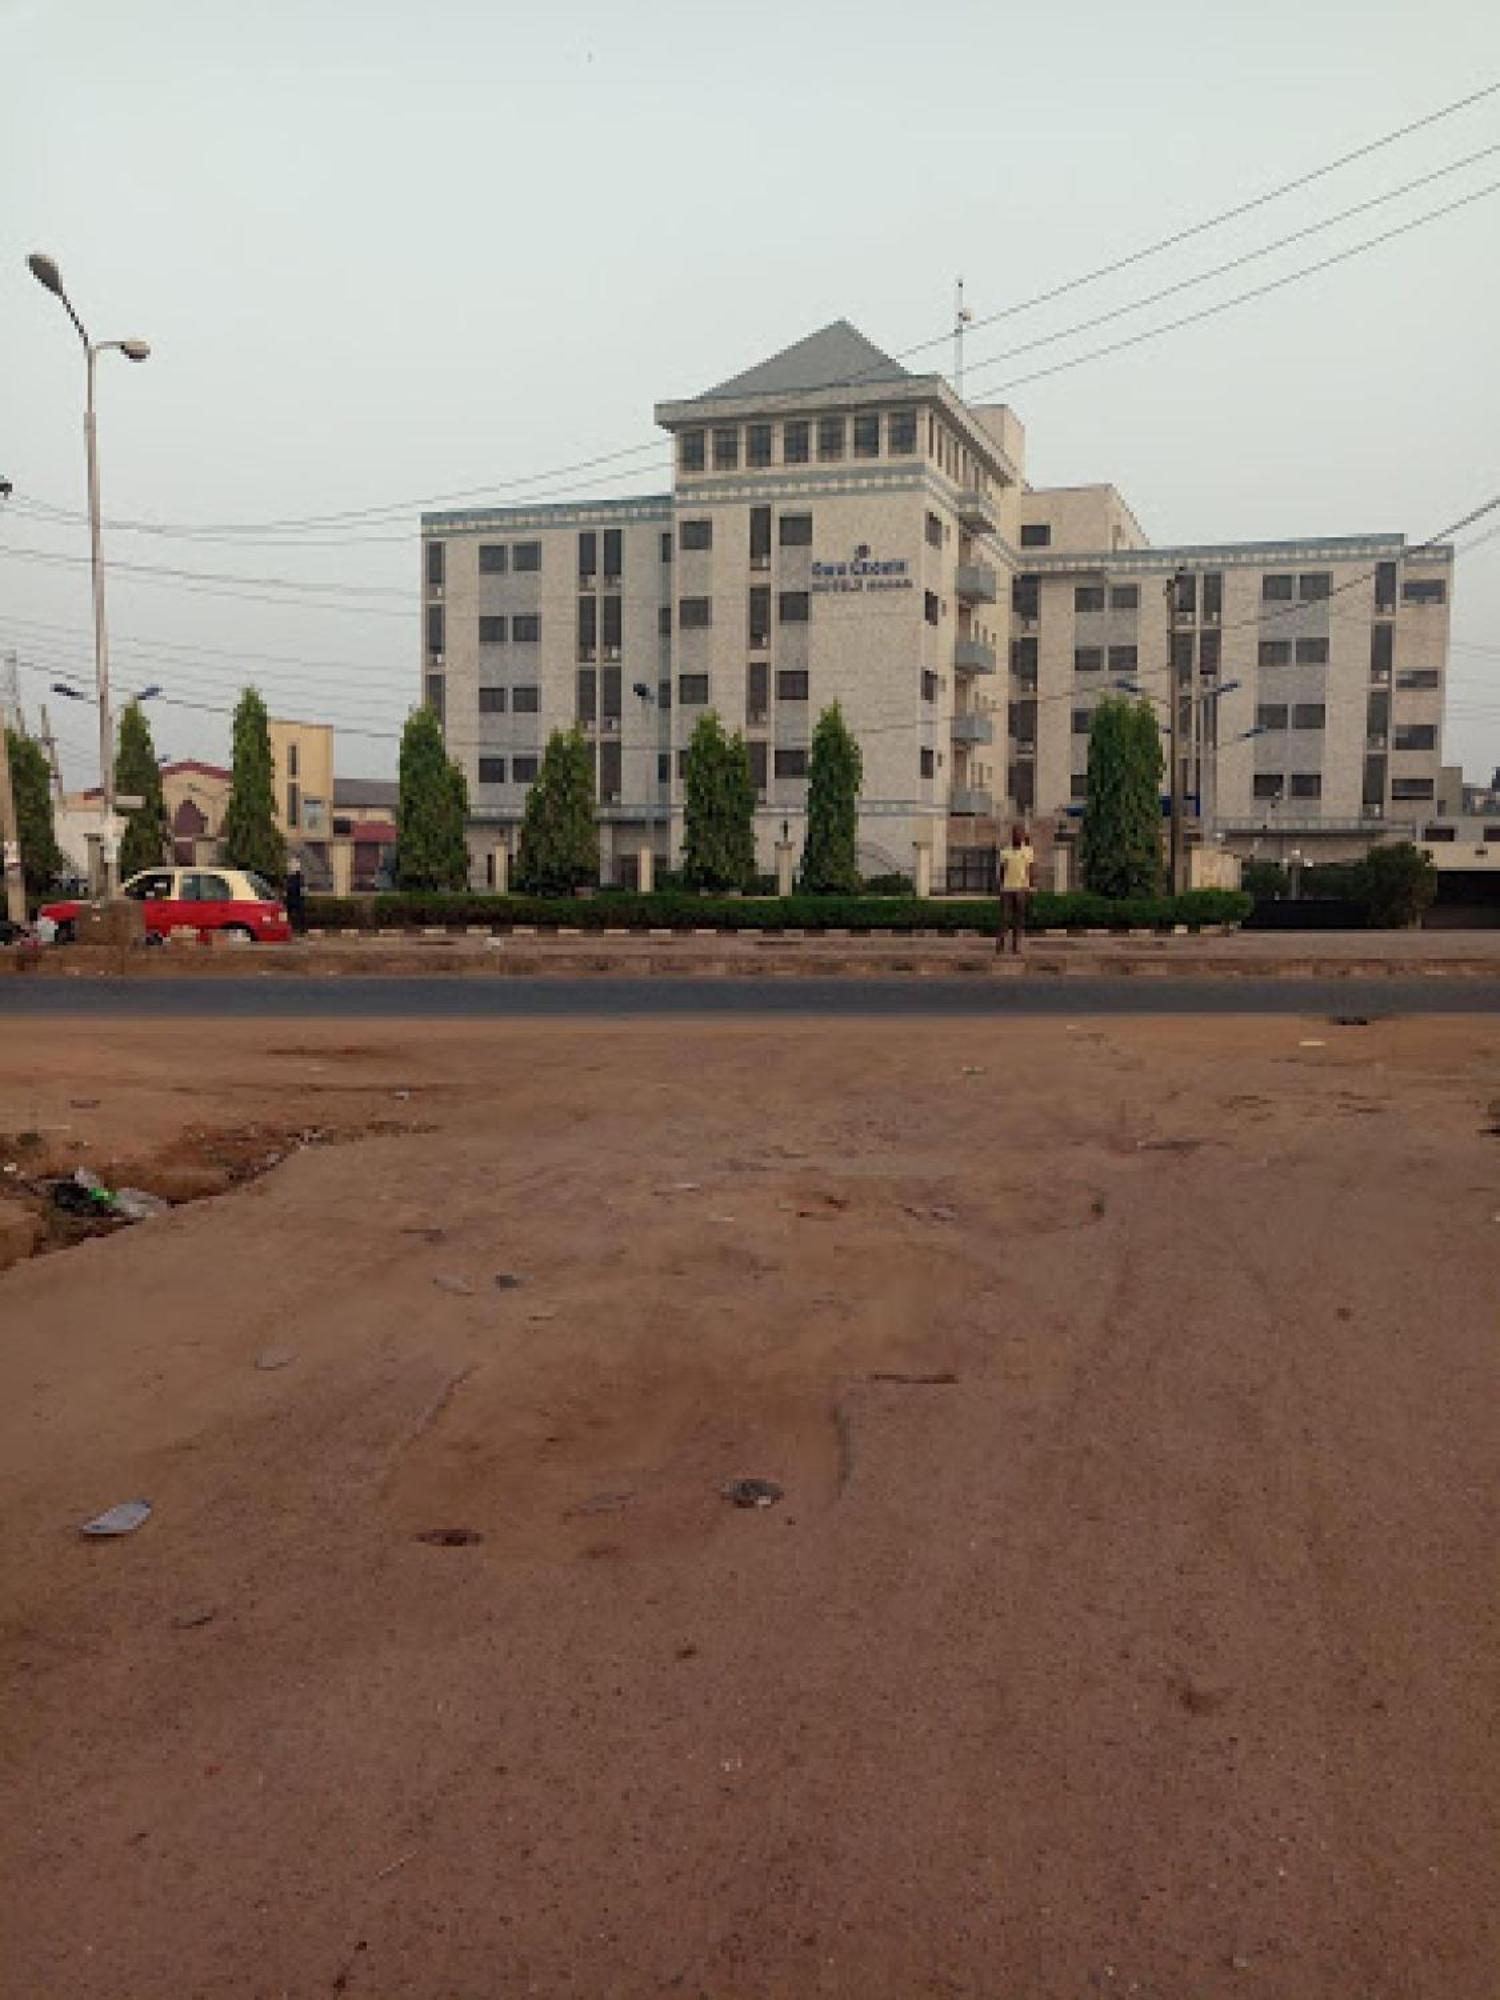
(1016, 863)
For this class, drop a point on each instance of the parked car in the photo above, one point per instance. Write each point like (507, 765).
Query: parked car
(200, 899)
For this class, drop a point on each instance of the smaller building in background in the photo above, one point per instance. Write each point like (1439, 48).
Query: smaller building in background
(196, 797)
(302, 782)
(364, 813)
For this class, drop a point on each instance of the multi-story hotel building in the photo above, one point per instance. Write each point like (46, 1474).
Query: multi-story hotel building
(842, 530)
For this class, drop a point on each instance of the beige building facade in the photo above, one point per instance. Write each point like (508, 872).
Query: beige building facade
(840, 530)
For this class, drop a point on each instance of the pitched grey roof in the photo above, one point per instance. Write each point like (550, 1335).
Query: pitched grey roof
(366, 792)
(835, 354)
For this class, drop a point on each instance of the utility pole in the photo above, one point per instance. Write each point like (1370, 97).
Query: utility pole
(961, 318)
(1174, 836)
(49, 744)
(10, 836)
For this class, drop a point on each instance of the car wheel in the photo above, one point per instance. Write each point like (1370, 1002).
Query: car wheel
(67, 932)
(242, 932)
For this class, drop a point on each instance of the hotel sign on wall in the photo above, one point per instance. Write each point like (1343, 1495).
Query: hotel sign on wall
(862, 572)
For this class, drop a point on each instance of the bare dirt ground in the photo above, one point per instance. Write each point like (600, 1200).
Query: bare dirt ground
(1152, 1653)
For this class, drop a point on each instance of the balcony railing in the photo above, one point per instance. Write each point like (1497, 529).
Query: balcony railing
(969, 799)
(973, 727)
(973, 656)
(976, 583)
(977, 513)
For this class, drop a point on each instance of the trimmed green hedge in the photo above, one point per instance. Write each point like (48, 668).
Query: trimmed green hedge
(678, 911)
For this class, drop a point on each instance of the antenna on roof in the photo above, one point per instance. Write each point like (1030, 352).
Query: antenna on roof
(961, 318)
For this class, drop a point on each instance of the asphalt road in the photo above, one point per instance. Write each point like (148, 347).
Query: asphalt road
(612, 999)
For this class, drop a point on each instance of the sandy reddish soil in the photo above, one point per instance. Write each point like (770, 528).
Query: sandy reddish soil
(1154, 1654)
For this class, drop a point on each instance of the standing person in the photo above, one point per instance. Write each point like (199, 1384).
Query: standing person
(296, 908)
(1016, 862)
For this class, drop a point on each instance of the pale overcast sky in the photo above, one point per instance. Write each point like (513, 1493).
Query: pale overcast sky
(384, 254)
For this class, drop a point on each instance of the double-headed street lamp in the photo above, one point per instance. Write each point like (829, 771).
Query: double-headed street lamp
(46, 273)
(1208, 747)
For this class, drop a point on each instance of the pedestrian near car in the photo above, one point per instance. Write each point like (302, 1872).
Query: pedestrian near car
(1016, 862)
(296, 908)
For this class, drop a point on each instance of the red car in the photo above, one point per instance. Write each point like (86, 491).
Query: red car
(199, 899)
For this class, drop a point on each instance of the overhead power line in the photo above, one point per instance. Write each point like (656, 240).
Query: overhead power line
(390, 509)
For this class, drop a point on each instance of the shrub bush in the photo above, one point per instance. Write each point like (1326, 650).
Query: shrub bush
(678, 910)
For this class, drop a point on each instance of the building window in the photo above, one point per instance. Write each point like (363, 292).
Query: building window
(613, 632)
(1307, 785)
(692, 690)
(1023, 659)
(757, 691)
(796, 443)
(588, 694)
(293, 803)
(526, 556)
(694, 614)
(1025, 597)
(434, 628)
(1439, 833)
(867, 436)
(1125, 597)
(931, 608)
(726, 448)
(1385, 589)
(523, 770)
(492, 770)
(793, 606)
(1276, 589)
(1182, 655)
(1274, 652)
(927, 762)
(435, 565)
(1089, 597)
(1382, 638)
(611, 763)
(614, 554)
(1271, 715)
(610, 693)
(901, 433)
(1268, 785)
(1312, 652)
(293, 761)
(929, 685)
(664, 696)
(664, 621)
(588, 627)
(1415, 736)
(1411, 788)
(492, 701)
(830, 437)
(1309, 715)
(1315, 585)
(666, 545)
(1088, 659)
(1082, 718)
(664, 767)
(757, 765)
(796, 531)
(1122, 659)
(1412, 678)
(494, 558)
(760, 614)
(436, 694)
(526, 700)
(526, 628)
(1078, 785)
(1210, 651)
(1185, 596)
(1423, 590)
(588, 554)
(682, 763)
(934, 532)
(1036, 535)
(1213, 597)
(690, 452)
(791, 763)
(758, 445)
(791, 685)
(760, 538)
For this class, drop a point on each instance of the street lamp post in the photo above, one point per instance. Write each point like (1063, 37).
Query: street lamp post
(46, 273)
(647, 699)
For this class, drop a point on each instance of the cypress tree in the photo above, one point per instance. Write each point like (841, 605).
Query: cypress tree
(137, 775)
(718, 839)
(835, 770)
(31, 786)
(433, 805)
(559, 845)
(252, 838)
(1120, 847)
